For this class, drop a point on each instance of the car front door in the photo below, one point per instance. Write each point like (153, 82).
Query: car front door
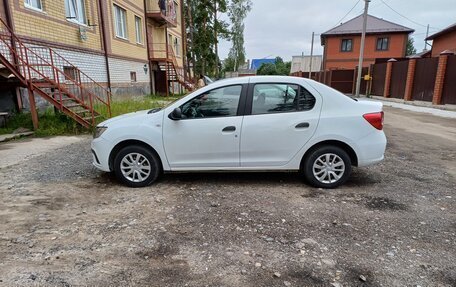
(208, 134)
(282, 119)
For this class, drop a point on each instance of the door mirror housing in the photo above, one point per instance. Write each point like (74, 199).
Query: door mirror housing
(176, 114)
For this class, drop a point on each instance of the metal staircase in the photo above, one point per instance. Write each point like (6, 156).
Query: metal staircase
(173, 71)
(46, 73)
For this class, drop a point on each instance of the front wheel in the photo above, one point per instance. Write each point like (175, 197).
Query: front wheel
(136, 166)
(327, 167)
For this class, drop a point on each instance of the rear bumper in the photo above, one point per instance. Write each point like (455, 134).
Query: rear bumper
(101, 148)
(371, 149)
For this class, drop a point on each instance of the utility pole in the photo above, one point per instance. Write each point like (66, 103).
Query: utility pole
(425, 41)
(311, 55)
(361, 51)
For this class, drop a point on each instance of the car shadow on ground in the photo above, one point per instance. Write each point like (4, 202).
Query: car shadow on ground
(358, 178)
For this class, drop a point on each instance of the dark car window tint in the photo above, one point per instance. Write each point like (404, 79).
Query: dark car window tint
(222, 102)
(280, 98)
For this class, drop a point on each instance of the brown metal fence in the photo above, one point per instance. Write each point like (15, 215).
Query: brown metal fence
(398, 79)
(378, 79)
(423, 85)
(342, 80)
(449, 85)
(424, 80)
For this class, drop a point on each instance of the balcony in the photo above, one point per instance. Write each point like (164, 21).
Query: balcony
(162, 12)
(159, 52)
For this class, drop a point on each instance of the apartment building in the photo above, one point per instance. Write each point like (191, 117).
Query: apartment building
(127, 46)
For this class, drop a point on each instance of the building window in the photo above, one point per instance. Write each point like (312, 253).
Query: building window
(133, 77)
(138, 28)
(34, 4)
(176, 46)
(120, 18)
(382, 44)
(71, 74)
(75, 11)
(347, 45)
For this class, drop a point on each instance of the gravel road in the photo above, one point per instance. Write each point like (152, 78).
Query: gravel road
(63, 223)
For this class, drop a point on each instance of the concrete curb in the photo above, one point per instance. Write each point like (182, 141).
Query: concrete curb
(7, 137)
(417, 103)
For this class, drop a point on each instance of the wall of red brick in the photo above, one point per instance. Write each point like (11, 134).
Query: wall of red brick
(444, 42)
(335, 59)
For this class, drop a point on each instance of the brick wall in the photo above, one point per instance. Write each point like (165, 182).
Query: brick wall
(444, 42)
(120, 71)
(51, 24)
(127, 47)
(336, 59)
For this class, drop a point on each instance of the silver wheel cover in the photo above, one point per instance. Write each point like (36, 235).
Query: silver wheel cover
(328, 168)
(135, 167)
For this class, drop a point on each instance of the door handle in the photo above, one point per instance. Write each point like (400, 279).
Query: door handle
(302, 125)
(229, 129)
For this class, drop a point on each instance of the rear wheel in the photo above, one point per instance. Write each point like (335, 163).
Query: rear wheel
(136, 166)
(327, 167)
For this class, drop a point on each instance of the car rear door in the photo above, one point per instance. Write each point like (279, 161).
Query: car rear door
(280, 119)
(208, 134)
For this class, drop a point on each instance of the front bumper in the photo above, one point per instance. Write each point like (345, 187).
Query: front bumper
(101, 149)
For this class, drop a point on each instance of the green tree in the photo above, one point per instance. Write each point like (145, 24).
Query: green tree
(237, 12)
(278, 68)
(221, 29)
(203, 29)
(411, 50)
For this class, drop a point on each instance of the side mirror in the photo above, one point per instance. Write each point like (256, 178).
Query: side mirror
(176, 114)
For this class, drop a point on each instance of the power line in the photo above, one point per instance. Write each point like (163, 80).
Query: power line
(338, 22)
(405, 17)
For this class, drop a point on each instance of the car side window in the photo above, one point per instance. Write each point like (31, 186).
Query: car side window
(281, 98)
(221, 102)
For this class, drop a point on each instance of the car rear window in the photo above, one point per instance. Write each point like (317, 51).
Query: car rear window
(281, 98)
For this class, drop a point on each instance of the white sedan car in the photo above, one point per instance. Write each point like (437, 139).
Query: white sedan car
(270, 123)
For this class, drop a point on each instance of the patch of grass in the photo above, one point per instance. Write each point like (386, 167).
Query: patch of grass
(134, 104)
(51, 124)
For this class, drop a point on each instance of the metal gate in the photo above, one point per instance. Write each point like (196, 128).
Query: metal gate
(378, 79)
(449, 85)
(398, 79)
(342, 80)
(424, 81)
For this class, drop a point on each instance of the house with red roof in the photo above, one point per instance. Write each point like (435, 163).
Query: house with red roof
(384, 39)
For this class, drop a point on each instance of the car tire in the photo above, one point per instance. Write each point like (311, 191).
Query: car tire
(136, 166)
(327, 167)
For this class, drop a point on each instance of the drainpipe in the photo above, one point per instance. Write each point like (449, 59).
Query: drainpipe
(9, 21)
(146, 20)
(104, 40)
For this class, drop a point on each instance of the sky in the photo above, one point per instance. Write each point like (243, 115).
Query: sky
(284, 27)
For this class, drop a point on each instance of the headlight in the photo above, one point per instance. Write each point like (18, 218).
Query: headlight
(99, 131)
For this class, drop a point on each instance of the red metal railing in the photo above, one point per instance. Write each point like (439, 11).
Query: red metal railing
(169, 13)
(53, 75)
(165, 52)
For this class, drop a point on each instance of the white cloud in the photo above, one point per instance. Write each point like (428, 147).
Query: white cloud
(284, 27)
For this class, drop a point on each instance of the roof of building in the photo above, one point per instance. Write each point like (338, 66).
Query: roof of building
(302, 63)
(374, 25)
(256, 63)
(443, 32)
(423, 54)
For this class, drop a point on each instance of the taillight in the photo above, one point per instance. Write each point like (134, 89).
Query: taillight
(375, 119)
